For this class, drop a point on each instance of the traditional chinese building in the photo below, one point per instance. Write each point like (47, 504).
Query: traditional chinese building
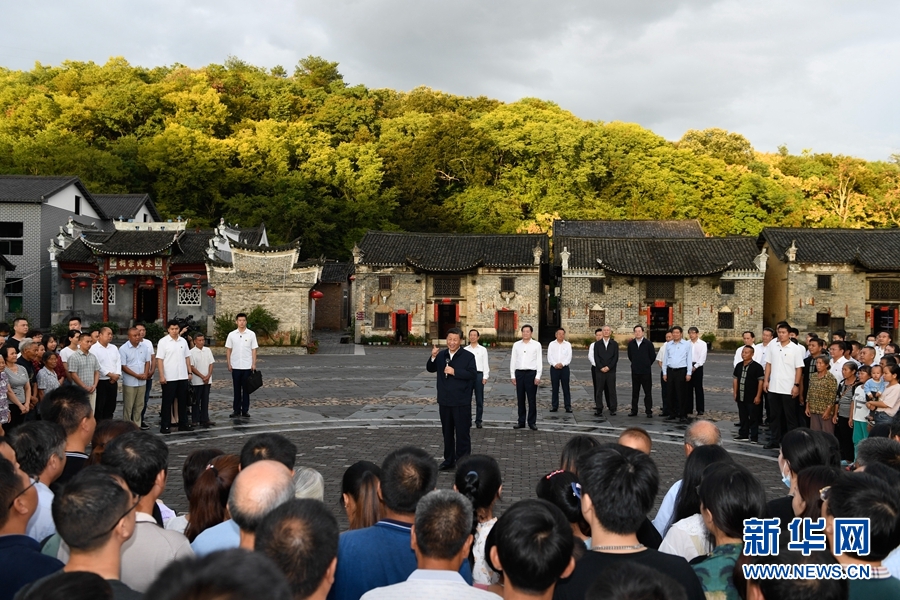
(715, 284)
(333, 308)
(823, 280)
(423, 284)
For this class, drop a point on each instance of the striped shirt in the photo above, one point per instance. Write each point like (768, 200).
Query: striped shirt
(84, 364)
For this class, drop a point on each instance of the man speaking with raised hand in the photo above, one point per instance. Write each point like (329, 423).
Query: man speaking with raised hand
(456, 373)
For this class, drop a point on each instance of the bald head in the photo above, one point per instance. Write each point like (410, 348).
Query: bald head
(701, 433)
(257, 490)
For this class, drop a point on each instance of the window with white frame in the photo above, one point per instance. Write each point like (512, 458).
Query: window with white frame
(189, 296)
(97, 294)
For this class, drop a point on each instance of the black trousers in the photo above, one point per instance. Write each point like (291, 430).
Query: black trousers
(698, 400)
(241, 402)
(557, 377)
(105, 407)
(525, 387)
(843, 431)
(478, 388)
(664, 388)
(171, 391)
(679, 398)
(605, 384)
(784, 415)
(638, 382)
(456, 421)
(750, 415)
(201, 403)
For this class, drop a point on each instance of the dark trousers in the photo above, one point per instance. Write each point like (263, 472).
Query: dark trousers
(802, 419)
(557, 377)
(171, 391)
(241, 402)
(146, 397)
(525, 386)
(605, 383)
(456, 421)
(696, 390)
(638, 382)
(679, 398)
(750, 415)
(105, 407)
(784, 415)
(201, 403)
(664, 387)
(478, 388)
(844, 433)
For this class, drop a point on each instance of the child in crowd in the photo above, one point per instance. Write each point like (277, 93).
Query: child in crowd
(859, 413)
(874, 388)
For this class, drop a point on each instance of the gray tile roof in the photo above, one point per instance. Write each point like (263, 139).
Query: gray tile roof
(440, 252)
(674, 257)
(125, 205)
(189, 247)
(28, 188)
(251, 236)
(872, 249)
(336, 272)
(628, 229)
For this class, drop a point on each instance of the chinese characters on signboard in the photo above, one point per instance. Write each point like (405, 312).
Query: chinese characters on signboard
(127, 264)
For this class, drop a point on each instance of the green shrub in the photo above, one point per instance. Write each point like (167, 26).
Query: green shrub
(730, 344)
(262, 321)
(155, 332)
(224, 324)
(709, 338)
(61, 332)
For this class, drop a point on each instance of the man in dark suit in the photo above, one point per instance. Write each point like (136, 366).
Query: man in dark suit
(606, 357)
(641, 353)
(456, 375)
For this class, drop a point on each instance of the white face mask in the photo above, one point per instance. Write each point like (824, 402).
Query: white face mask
(870, 343)
(786, 479)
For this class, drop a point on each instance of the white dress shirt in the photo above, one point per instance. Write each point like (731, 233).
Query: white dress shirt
(784, 362)
(836, 368)
(526, 357)
(201, 360)
(172, 353)
(40, 525)
(591, 354)
(757, 355)
(432, 584)
(559, 353)
(660, 356)
(762, 351)
(109, 359)
(699, 353)
(481, 360)
(242, 345)
(667, 509)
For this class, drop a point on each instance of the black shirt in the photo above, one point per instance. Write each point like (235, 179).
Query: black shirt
(75, 461)
(591, 566)
(120, 590)
(648, 535)
(752, 380)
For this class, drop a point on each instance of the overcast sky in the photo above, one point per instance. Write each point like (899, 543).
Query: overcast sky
(816, 74)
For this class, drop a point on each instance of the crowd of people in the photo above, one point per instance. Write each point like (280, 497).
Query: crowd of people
(81, 516)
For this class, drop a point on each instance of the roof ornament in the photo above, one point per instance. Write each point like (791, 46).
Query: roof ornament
(538, 252)
(564, 257)
(761, 259)
(357, 254)
(791, 252)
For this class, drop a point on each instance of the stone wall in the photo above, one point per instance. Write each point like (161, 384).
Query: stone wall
(330, 307)
(845, 300)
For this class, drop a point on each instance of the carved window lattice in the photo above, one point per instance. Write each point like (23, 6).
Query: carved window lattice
(663, 289)
(189, 296)
(597, 318)
(97, 294)
(446, 286)
(885, 289)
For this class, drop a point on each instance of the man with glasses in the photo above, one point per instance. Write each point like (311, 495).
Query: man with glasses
(96, 513)
(41, 450)
(20, 555)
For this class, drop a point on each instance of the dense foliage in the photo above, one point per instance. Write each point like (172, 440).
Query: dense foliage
(319, 160)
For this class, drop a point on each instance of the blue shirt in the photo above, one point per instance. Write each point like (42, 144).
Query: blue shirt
(678, 356)
(135, 359)
(224, 536)
(22, 563)
(374, 557)
(873, 386)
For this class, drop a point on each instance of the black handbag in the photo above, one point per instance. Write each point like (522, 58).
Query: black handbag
(253, 382)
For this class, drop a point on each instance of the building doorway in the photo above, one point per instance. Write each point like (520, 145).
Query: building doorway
(446, 319)
(148, 305)
(506, 326)
(401, 331)
(884, 319)
(659, 323)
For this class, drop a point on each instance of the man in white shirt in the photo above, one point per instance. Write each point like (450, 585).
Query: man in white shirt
(484, 372)
(698, 353)
(559, 357)
(173, 358)
(525, 365)
(663, 384)
(441, 538)
(749, 340)
(142, 330)
(784, 371)
(41, 451)
(135, 370)
(881, 340)
(110, 371)
(836, 351)
(240, 356)
(201, 379)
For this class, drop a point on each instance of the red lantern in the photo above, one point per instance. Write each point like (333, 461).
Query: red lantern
(211, 293)
(149, 282)
(122, 281)
(188, 285)
(316, 294)
(82, 284)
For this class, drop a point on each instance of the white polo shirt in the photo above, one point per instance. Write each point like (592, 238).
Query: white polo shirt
(172, 353)
(201, 360)
(242, 346)
(784, 362)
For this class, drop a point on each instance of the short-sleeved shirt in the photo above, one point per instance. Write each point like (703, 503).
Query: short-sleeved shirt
(242, 346)
(784, 361)
(84, 364)
(201, 360)
(172, 353)
(65, 353)
(47, 380)
(748, 378)
(716, 572)
(821, 394)
(135, 358)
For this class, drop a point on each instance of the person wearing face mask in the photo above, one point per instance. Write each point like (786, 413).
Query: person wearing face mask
(800, 448)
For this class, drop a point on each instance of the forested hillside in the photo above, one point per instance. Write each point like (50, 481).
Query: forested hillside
(321, 160)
